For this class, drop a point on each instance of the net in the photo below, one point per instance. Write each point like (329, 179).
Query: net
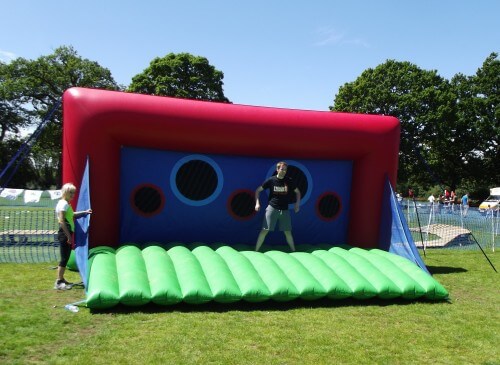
(28, 230)
(450, 226)
(28, 227)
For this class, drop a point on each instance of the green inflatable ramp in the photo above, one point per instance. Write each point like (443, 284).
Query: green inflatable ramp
(133, 276)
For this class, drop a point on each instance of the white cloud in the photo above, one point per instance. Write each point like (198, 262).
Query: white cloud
(357, 42)
(329, 36)
(6, 56)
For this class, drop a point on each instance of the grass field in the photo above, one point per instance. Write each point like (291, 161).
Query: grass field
(35, 328)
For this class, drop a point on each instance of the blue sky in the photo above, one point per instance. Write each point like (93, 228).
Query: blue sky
(290, 54)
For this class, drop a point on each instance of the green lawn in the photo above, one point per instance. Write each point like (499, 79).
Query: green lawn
(36, 329)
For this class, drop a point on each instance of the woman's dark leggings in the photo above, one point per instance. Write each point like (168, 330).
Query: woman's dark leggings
(64, 248)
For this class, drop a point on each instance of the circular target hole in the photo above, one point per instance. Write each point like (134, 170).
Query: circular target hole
(241, 204)
(300, 179)
(196, 180)
(147, 200)
(328, 206)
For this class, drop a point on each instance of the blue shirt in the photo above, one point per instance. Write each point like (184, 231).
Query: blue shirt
(465, 200)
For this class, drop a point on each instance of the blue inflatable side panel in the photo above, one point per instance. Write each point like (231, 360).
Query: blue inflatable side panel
(395, 236)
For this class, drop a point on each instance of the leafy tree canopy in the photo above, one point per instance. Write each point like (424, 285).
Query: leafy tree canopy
(479, 106)
(10, 121)
(36, 85)
(419, 99)
(448, 128)
(180, 75)
(29, 89)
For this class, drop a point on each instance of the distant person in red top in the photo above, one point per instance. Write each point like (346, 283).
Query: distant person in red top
(411, 195)
(446, 195)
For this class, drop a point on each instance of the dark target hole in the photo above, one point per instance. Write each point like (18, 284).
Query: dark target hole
(328, 206)
(242, 204)
(148, 200)
(196, 180)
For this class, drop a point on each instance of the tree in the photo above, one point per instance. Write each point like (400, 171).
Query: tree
(486, 104)
(33, 87)
(22, 175)
(180, 75)
(424, 103)
(477, 127)
(11, 121)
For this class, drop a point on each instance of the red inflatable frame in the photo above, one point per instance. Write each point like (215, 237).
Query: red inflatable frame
(97, 123)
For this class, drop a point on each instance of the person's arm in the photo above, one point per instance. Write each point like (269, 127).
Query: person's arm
(82, 213)
(297, 202)
(257, 194)
(62, 224)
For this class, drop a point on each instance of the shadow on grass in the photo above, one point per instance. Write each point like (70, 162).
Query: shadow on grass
(445, 269)
(262, 306)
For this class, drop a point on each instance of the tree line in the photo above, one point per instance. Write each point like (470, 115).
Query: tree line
(450, 128)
